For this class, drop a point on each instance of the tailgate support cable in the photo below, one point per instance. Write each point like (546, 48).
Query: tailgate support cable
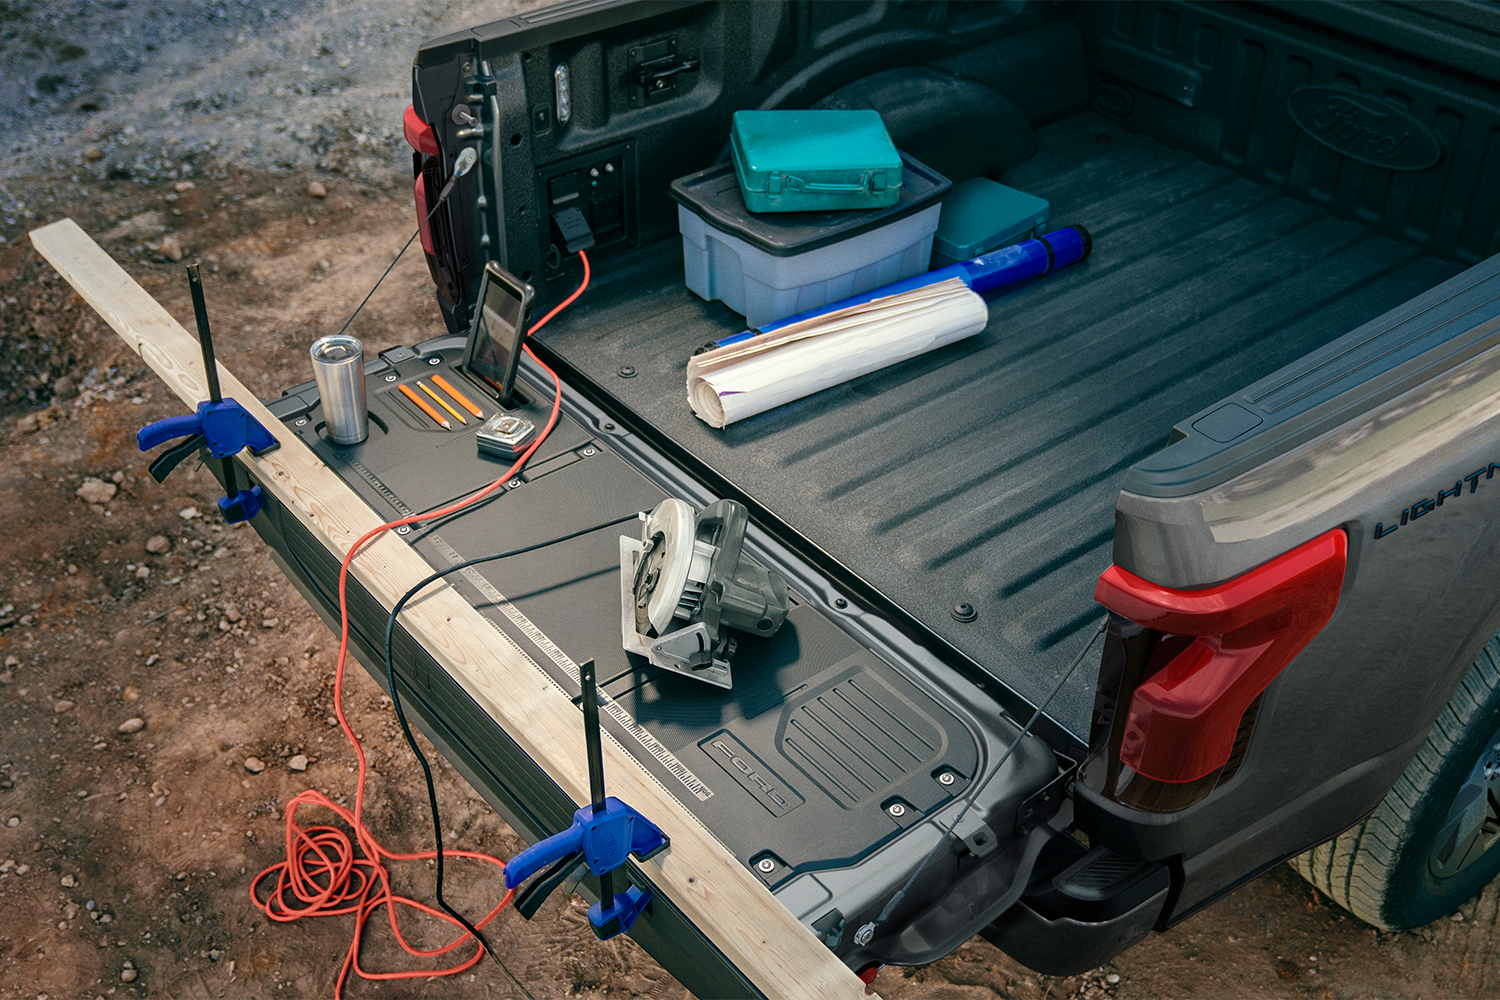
(866, 933)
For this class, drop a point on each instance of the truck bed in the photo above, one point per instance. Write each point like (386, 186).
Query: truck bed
(986, 473)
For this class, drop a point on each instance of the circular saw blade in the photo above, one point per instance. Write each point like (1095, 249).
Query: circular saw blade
(663, 571)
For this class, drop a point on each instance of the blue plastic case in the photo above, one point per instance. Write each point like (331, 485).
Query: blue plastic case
(814, 161)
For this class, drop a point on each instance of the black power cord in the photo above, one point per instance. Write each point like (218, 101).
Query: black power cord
(390, 677)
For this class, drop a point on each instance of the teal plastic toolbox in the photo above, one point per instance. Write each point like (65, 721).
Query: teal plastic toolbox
(814, 161)
(981, 215)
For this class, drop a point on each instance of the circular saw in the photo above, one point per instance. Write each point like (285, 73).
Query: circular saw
(685, 585)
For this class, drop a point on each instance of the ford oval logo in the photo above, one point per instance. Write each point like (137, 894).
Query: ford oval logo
(1364, 129)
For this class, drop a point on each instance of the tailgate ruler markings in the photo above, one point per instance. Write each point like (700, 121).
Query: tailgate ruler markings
(640, 733)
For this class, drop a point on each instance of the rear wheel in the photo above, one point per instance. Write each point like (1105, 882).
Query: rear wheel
(1431, 845)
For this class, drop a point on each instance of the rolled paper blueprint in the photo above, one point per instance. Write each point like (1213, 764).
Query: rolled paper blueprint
(742, 379)
(996, 269)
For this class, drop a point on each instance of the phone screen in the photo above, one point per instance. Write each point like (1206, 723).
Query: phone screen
(494, 348)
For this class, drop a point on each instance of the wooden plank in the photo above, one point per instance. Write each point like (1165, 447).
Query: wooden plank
(734, 909)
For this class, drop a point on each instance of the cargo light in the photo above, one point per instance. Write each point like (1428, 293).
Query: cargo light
(1183, 717)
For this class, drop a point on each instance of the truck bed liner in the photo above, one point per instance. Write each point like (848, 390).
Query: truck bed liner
(986, 472)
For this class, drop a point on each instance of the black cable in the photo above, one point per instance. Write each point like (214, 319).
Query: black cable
(437, 203)
(390, 676)
(867, 932)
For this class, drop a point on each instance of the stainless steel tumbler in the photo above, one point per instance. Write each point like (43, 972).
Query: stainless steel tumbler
(339, 367)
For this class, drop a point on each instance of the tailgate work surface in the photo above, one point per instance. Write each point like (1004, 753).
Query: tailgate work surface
(986, 472)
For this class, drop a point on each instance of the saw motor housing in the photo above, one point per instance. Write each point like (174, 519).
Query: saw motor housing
(687, 583)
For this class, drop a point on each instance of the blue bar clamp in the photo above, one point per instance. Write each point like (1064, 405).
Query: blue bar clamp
(224, 428)
(602, 835)
(221, 425)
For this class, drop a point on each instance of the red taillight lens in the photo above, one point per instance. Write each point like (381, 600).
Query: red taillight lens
(422, 211)
(1183, 718)
(419, 134)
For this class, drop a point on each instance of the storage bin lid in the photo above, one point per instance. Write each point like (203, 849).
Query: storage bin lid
(714, 195)
(981, 214)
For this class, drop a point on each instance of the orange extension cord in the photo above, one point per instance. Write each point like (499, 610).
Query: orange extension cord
(322, 875)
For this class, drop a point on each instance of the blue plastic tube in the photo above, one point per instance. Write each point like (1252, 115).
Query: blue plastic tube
(984, 273)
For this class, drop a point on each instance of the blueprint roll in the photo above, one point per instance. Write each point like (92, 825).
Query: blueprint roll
(751, 376)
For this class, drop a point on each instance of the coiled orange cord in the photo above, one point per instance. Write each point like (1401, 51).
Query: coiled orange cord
(323, 875)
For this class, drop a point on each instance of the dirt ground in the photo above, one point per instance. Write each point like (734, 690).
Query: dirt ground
(126, 856)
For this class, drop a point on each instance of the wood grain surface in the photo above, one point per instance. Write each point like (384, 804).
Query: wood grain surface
(759, 935)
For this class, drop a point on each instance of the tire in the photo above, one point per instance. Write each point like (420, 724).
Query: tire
(1434, 842)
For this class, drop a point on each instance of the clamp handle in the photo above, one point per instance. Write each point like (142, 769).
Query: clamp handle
(603, 838)
(162, 431)
(543, 853)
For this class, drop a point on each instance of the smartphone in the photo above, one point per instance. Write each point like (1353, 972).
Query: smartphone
(494, 349)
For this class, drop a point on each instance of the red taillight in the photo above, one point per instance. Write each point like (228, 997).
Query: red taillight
(419, 134)
(422, 211)
(1183, 717)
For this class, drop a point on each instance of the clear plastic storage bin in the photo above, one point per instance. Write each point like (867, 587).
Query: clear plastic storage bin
(769, 266)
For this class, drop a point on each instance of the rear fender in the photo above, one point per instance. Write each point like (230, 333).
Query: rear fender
(1390, 434)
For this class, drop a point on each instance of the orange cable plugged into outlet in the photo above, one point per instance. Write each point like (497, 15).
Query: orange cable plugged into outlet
(322, 875)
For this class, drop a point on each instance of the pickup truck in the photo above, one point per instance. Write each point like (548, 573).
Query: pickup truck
(1182, 569)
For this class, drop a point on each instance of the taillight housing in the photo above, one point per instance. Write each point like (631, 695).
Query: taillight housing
(419, 135)
(422, 137)
(1184, 715)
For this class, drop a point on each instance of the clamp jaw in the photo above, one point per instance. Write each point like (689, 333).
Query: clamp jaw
(223, 428)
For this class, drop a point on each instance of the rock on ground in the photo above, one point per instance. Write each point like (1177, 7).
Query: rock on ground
(96, 491)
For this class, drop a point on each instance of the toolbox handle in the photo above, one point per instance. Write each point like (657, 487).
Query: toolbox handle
(874, 182)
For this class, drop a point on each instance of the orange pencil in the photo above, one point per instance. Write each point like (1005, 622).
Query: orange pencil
(441, 402)
(463, 400)
(425, 406)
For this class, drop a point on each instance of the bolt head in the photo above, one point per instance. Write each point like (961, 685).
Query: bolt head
(587, 452)
(390, 378)
(897, 810)
(766, 866)
(946, 778)
(405, 529)
(434, 361)
(513, 483)
(301, 421)
(839, 602)
(627, 371)
(964, 612)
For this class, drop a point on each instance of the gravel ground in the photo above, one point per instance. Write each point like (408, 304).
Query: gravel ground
(154, 90)
(148, 654)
